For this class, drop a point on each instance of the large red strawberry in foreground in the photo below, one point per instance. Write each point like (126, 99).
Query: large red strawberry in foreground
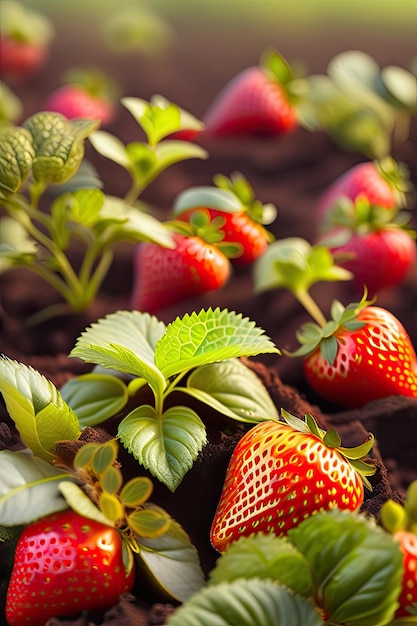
(282, 472)
(257, 100)
(362, 354)
(165, 276)
(64, 564)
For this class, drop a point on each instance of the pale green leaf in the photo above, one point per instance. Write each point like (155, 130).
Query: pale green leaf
(245, 603)
(124, 341)
(110, 147)
(187, 120)
(136, 491)
(95, 398)
(146, 522)
(104, 456)
(157, 121)
(232, 389)
(81, 503)
(402, 85)
(173, 151)
(37, 408)
(356, 567)
(28, 488)
(213, 197)
(16, 247)
(167, 444)
(208, 336)
(110, 507)
(16, 156)
(111, 480)
(172, 561)
(264, 556)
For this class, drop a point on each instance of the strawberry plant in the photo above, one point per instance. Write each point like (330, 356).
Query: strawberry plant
(46, 153)
(282, 472)
(362, 353)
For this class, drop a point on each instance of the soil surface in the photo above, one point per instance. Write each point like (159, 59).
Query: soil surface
(291, 172)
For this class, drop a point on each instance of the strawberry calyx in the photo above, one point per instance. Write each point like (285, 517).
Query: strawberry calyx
(396, 517)
(397, 177)
(279, 70)
(208, 230)
(312, 336)
(331, 439)
(239, 186)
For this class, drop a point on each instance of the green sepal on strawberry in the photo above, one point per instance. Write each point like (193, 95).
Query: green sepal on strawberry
(363, 353)
(401, 522)
(371, 242)
(257, 100)
(232, 210)
(282, 472)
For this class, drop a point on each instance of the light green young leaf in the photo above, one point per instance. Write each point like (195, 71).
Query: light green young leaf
(232, 389)
(171, 561)
(356, 567)
(213, 197)
(157, 121)
(171, 151)
(245, 603)
(37, 408)
(124, 341)
(208, 336)
(28, 488)
(167, 444)
(16, 155)
(95, 398)
(110, 147)
(264, 556)
(187, 120)
(16, 247)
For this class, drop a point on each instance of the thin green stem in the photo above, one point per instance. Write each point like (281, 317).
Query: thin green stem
(305, 299)
(96, 279)
(133, 194)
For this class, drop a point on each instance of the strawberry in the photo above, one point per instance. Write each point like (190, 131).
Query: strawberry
(64, 564)
(21, 59)
(165, 276)
(362, 354)
(401, 521)
(365, 241)
(232, 208)
(282, 472)
(257, 100)
(384, 183)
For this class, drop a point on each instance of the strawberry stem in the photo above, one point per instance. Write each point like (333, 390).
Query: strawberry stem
(309, 304)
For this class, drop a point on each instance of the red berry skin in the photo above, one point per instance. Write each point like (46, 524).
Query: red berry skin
(363, 179)
(251, 103)
(372, 362)
(64, 564)
(408, 595)
(380, 259)
(238, 228)
(166, 276)
(73, 101)
(20, 59)
(276, 478)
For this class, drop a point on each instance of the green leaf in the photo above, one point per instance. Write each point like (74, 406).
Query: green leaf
(37, 408)
(16, 155)
(143, 162)
(167, 444)
(171, 151)
(16, 247)
(124, 341)
(356, 567)
(111, 480)
(147, 522)
(245, 603)
(104, 456)
(110, 507)
(157, 121)
(232, 389)
(172, 561)
(81, 503)
(208, 336)
(187, 120)
(402, 85)
(136, 491)
(28, 488)
(264, 556)
(110, 147)
(95, 398)
(59, 145)
(212, 197)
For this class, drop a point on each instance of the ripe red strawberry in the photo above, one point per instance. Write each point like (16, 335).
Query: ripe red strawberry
(280, 473)
(383, 183)
(65, 564)
(401, 521)
(256, 101)
(165, 276)
(21, 59)
(75, 101)
(378, 259)
(363, 353)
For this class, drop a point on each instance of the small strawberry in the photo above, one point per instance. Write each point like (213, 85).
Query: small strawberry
(165, 276)
(401, 522)
(87, 93)
(282, 472)
(364, 240)
(362, 354)
(233, 207)
(64, 564)
(384, 183)
(257, 100)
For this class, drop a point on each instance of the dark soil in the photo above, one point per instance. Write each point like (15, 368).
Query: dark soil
(291, 172)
